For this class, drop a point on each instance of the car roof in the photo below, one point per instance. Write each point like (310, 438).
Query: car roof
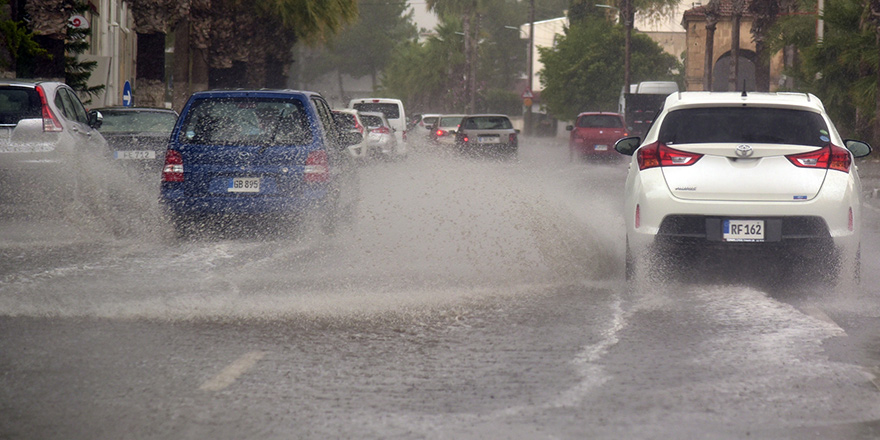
(254, 92)
(760, 99)
(26, 82)
(377, 100)
(136, 109)
(599, 113)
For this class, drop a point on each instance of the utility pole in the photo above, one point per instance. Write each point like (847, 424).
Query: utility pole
(527, 129)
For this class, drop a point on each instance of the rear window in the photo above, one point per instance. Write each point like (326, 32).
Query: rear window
(488, 123)
(599, 121)
(391, 111)
(371, 120)
(247, 121)
(450, 121)
(344, 120)
(744, 124)
(18, 103)
(137, 121)
(430, 120)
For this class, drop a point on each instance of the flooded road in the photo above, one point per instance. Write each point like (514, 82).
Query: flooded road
(469, 298)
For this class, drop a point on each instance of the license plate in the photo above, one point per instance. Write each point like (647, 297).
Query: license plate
(135, 154)
(488, 139)
(244, 185)
(601, 147)
(743, 230)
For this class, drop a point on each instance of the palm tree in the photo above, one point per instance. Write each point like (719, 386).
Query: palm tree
(467, 10)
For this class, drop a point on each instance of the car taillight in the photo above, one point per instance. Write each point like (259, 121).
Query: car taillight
(383, 130)
(512, 138)
(659, 155)
(440, 133)
(173, 170)
(50, 121)
(404, 135)
(829, 157)
(358, 127)
(317, 168)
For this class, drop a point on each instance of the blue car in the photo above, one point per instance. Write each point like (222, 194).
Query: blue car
(258, 153)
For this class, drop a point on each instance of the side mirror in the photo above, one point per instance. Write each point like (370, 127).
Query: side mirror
(96, 119)
(516, 130)
(628, 145)
(858, 148)
(569, 127)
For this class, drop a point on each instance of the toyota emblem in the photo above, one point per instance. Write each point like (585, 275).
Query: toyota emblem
(744, 151)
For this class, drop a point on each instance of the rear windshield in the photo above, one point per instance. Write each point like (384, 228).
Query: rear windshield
(599, 121)
(488, 123)
(450, 121)
(247, 121)
(18, 103)
(391, 111)
(430, 120)
(344, 120)
(137, 121)
(371, 120)
(744, 124)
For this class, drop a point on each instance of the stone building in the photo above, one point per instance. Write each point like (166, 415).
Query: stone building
(698, 22)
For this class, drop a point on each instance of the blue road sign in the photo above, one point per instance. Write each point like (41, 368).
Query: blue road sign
(126, 94)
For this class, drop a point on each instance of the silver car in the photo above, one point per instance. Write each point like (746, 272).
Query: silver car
(48, 142)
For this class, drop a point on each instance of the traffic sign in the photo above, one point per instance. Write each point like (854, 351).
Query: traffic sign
(527, 94)
(126, 94)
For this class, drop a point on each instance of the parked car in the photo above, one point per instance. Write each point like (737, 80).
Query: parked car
(394, 113)
(380, 140)
(489, 134)
(138, 137)
(349, 121)
(49, 147)
(444, 130)
(418, 131)
(759, 174)
(593, 136)
(249, 153)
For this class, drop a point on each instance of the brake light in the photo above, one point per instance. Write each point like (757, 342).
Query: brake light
(440, 133)
(659, 155)
(512, 138)
(317, 168)
(50, 121)
(173, 170)
(829, 157)
(383, 130)
(358, 126)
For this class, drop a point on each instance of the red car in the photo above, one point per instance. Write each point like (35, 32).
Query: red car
(594, 134)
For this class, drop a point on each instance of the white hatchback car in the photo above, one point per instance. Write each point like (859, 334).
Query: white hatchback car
(736, 173)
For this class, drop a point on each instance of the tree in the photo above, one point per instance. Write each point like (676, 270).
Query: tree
(16, 42)
(76, 72)
(367, 46)
(583, 71)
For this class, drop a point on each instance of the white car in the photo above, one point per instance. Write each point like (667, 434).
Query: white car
(394, 113)
(736, 173)
(380, 140)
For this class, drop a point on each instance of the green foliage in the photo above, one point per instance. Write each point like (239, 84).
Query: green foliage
(584, 72)
(842, 69)
(77, 73)
(14, 35)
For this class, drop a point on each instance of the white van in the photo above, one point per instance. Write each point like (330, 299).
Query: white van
(394, 112)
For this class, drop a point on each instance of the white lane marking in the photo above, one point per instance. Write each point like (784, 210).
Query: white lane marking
(233, 371)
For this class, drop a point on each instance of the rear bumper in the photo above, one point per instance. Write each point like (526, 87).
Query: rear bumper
(176, 203)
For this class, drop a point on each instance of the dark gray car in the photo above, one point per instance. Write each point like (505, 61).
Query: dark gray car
(138, 138)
